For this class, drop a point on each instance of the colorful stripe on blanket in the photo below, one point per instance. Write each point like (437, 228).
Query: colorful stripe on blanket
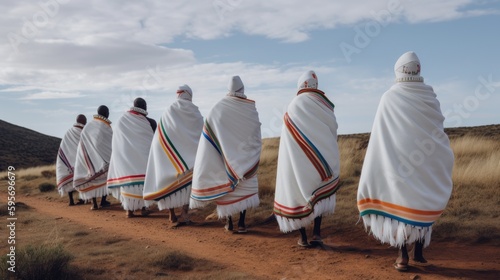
(91, 187)
(180, 184)
(416, 217)
(320, 96)
(212, 193)
(170, 150)
(300, 212)
(312, 153)
(66, 180)
(64, 159)
(88, 162)
(126, 181)
(212, 138)
(225, 203)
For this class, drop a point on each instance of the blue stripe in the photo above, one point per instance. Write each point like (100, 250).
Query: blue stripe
(321, 158)
(384, 214)
(208, 197)
(211, 142)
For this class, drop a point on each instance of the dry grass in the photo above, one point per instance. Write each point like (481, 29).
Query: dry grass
(472, 212)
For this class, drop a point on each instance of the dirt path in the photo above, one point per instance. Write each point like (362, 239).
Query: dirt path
(265, 253)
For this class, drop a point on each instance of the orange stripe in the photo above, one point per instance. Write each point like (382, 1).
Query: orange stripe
(92, 187)
(233, 201)
(169, 188)
(131, 195)
(397, 207)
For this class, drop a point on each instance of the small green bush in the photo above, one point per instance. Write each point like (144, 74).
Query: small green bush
(46, 187)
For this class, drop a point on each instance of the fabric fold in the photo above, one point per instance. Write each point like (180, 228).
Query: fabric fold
(228, 156)
(127, 171)
(172, 155)
(406, 182)
(92, 159)
(66, 157)
(308, 161)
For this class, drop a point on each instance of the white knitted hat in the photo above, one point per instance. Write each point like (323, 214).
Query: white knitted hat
(407, 68)
(308, 80)
(185, 92)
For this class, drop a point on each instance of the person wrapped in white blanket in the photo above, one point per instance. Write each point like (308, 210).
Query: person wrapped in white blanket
(405, 182)
(171, 157)
(132, 137)
(228, 155)
(308, 162)
(92, 159)
(66, 157)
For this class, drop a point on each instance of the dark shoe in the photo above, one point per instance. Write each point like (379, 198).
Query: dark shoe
(105, 203)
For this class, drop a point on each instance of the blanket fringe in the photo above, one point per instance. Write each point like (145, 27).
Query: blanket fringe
(177, 199)
(194, 203)
(115, 192)
(99, 192)
(323, 207)
(65, 189)
(131, 203)
(224, 211)
(394, 232)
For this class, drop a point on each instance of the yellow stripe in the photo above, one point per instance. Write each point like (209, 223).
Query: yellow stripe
(168, 154)
(131, 195)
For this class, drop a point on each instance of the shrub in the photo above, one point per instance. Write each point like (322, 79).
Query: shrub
(38, 262)
(48, 174)
(174, 261)
(46, 187)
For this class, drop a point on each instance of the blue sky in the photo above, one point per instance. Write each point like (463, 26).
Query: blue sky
(61, 57)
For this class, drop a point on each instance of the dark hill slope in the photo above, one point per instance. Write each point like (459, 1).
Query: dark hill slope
(21, 147)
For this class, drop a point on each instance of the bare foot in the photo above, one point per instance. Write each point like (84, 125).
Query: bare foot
(130, 214)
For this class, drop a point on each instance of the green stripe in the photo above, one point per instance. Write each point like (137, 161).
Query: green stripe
(325, 98)
(172, 146)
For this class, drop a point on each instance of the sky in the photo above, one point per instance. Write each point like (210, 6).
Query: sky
(60, 58)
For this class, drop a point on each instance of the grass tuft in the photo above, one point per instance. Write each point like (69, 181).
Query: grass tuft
(174, 260)
(38, 262)
(46, 187)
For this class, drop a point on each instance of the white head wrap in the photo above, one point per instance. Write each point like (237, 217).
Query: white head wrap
(308, 80)
(236, 87)
(185, 92)
(407, 68)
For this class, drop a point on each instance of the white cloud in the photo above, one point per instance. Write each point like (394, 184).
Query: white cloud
(51, 95)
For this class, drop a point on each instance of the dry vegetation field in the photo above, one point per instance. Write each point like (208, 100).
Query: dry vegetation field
(471, 216)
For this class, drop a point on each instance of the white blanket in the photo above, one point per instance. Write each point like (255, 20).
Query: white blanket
(308, 161)
(406, 182)
(172, 154)
(66, 157)
(131, 143)
(92, 159)
(228, 157)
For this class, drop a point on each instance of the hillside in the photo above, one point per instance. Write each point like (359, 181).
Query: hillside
(22, 147)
